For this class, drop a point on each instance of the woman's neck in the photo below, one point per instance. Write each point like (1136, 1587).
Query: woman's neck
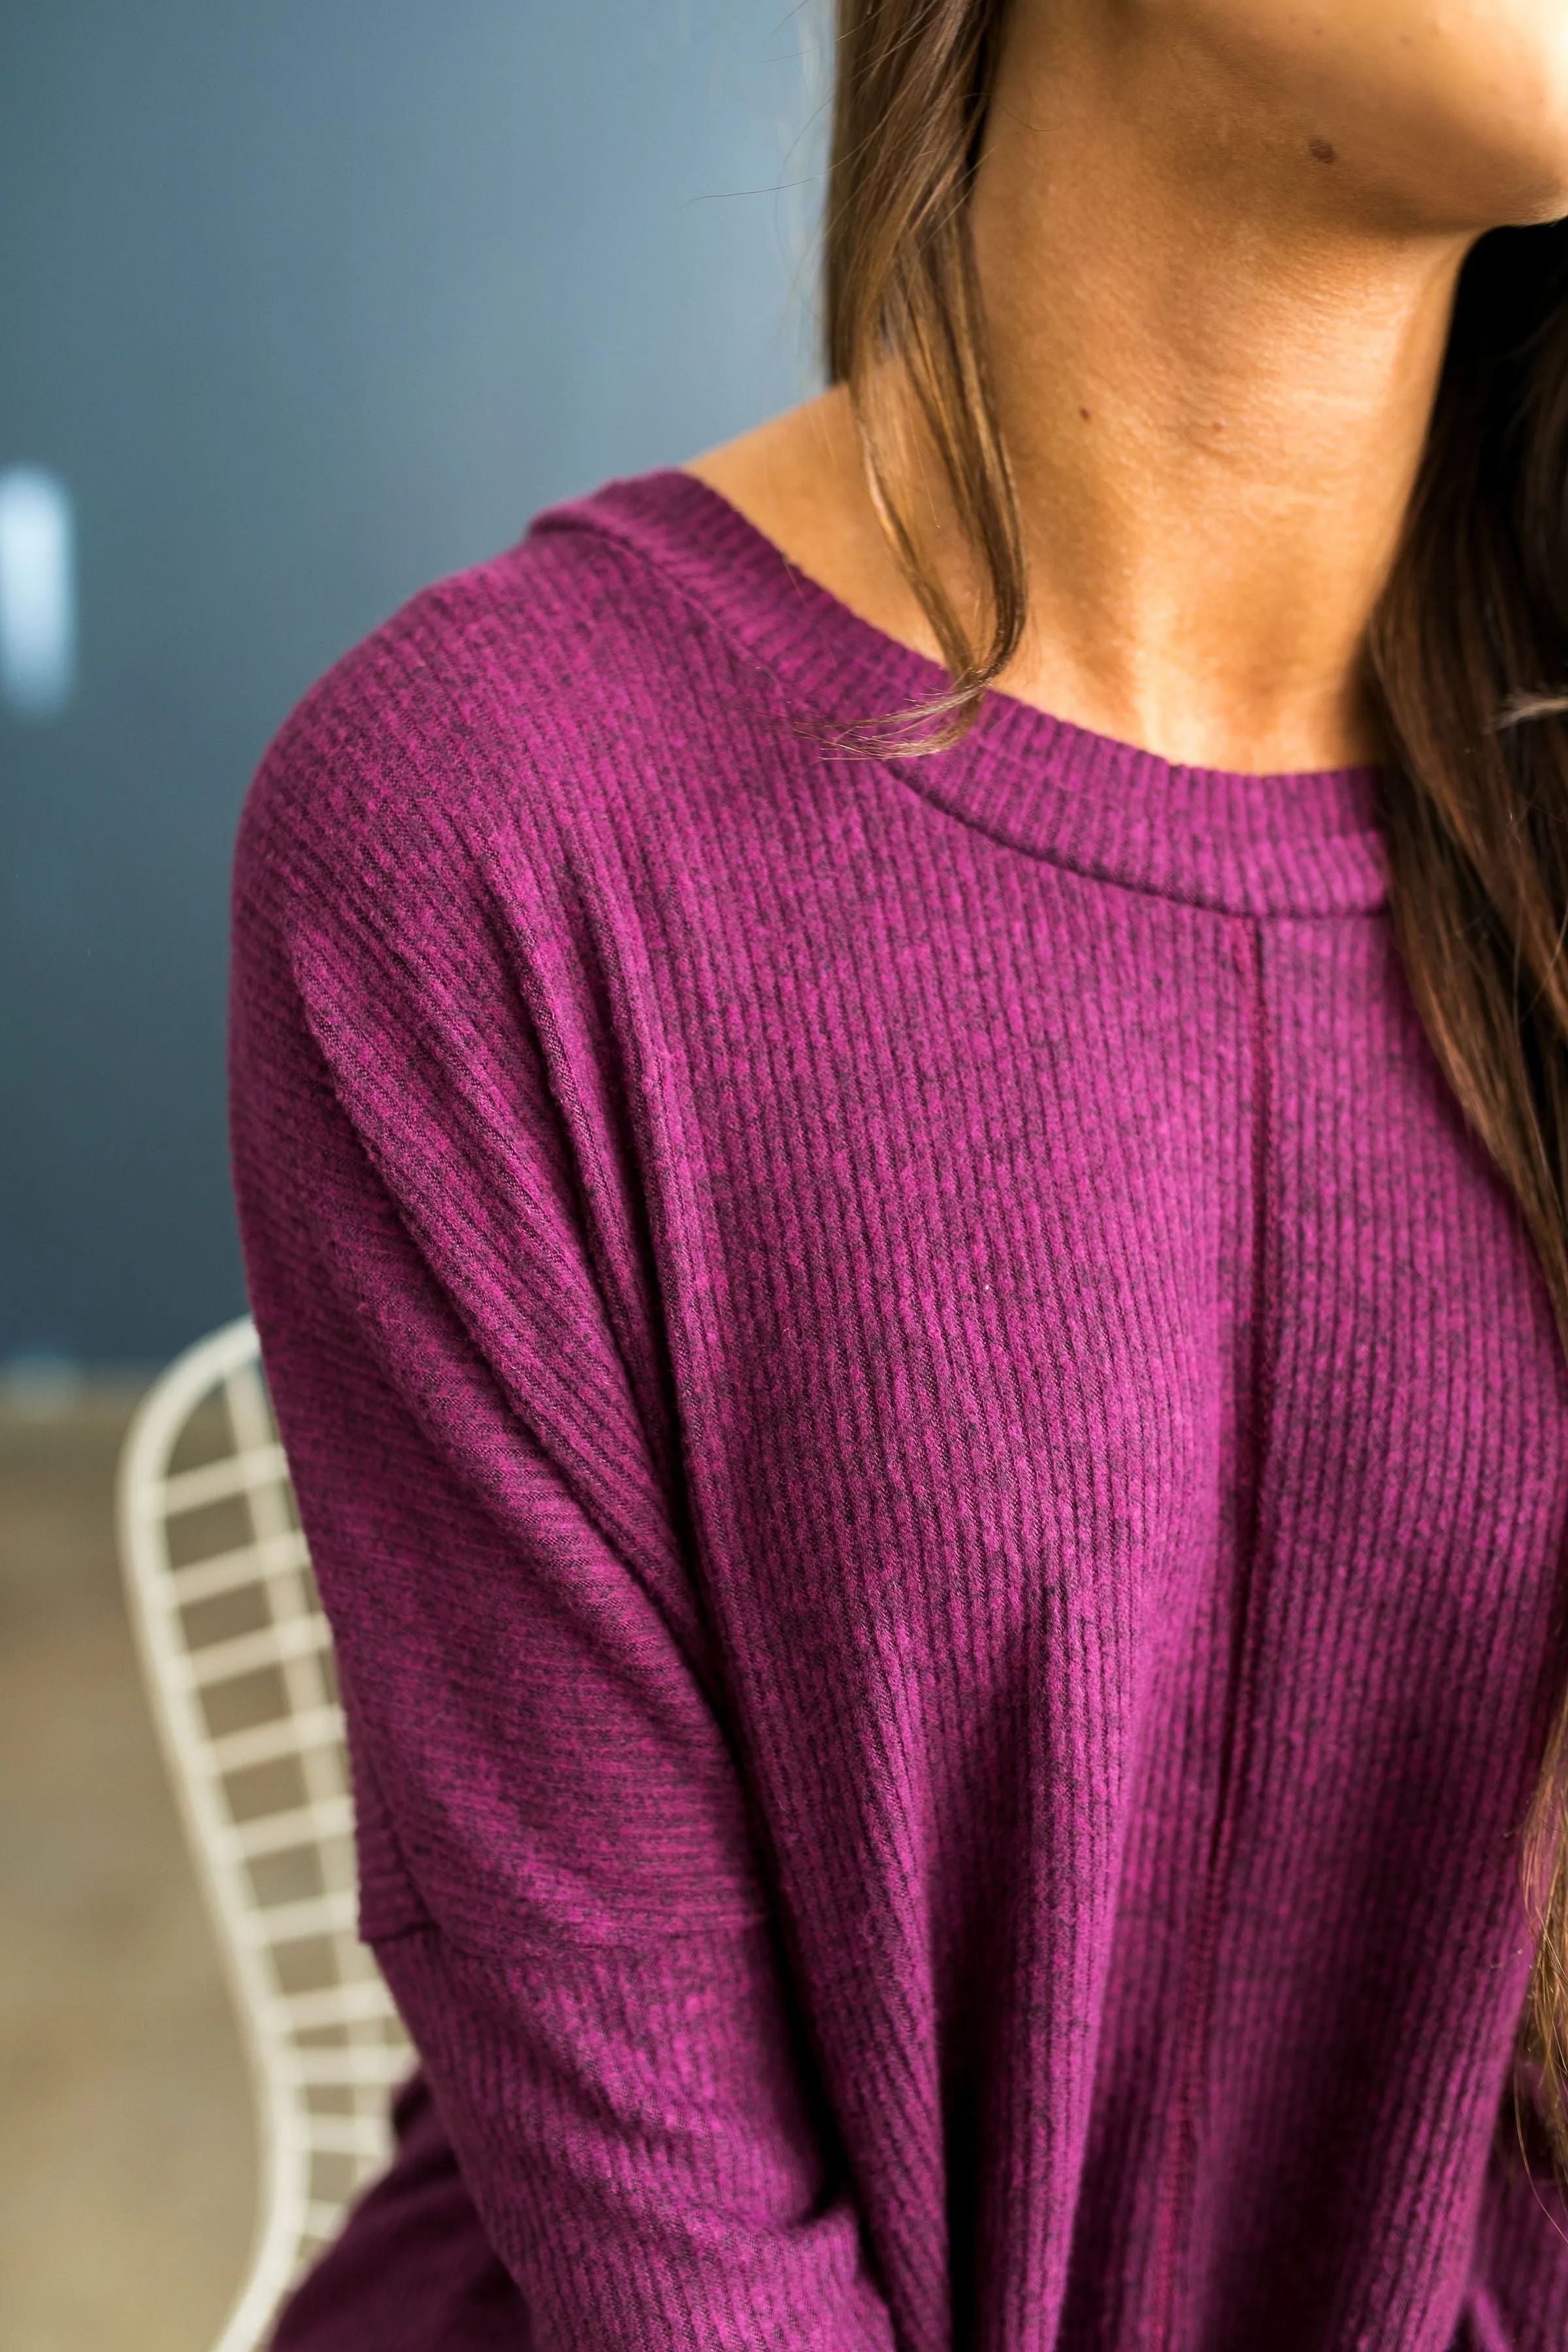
(1214, 375)
(1214, 365)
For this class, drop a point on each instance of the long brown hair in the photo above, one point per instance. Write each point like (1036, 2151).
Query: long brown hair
(1466, 657)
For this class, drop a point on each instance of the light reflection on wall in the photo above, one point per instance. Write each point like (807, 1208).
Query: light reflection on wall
(37, 594)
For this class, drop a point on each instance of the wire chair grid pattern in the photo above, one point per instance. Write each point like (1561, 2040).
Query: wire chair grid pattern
(237, 1658)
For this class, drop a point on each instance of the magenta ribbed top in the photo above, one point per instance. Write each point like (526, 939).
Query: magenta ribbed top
(940, 1473)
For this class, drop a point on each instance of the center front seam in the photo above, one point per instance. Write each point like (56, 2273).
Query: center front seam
(1173, 2214)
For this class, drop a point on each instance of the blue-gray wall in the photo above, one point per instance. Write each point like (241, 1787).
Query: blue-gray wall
(307, 302)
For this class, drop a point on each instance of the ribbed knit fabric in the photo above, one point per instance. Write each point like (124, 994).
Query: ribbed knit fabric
(940, 1471)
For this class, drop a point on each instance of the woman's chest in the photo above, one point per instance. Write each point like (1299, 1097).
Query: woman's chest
(1039, 1287)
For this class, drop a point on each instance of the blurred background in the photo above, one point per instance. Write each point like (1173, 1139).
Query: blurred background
(302, 304)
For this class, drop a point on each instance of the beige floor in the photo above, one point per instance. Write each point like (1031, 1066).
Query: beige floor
(125, 2149)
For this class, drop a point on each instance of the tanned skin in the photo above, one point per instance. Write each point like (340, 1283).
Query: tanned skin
(1217, 241)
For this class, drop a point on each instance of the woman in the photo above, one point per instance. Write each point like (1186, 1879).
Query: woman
(922, 1353)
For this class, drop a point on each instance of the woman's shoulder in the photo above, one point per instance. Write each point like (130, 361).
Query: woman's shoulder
(523, 690)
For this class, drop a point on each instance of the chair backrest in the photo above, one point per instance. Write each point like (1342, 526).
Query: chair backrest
(238, 1664)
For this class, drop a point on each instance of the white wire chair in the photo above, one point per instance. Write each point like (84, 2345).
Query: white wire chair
(238, 1664)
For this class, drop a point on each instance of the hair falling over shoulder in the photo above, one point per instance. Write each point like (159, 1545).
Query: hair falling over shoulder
(1467, 654)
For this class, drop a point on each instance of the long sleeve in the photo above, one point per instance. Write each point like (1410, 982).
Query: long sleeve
(561, 1873)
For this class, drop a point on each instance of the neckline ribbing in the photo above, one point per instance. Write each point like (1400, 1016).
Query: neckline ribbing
(1295, 844)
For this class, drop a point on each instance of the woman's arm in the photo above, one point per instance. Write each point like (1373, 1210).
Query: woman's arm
(558, 1866)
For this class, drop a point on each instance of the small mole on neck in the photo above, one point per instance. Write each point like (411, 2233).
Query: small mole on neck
(1321, 151)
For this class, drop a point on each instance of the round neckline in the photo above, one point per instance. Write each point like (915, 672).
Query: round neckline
(1295, 842)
